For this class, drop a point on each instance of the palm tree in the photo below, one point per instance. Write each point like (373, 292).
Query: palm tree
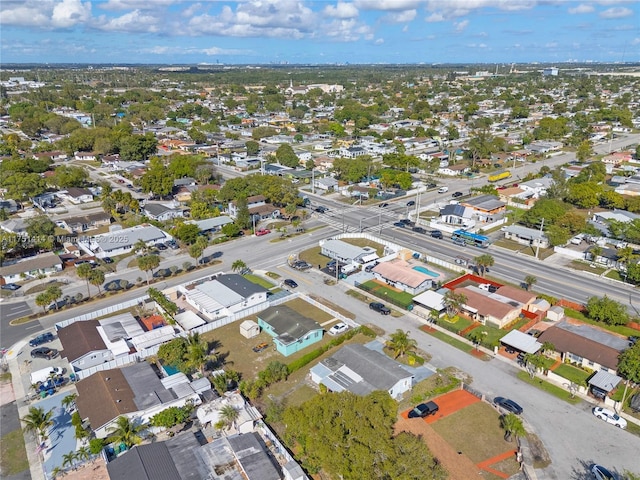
(148, 263)
(401, 344)
(69, 400)
(529, 281)
(38, 421)
(42, 300)
(238, 266)
(484, 261)
(477, 335)
(513, 426)
(197, 352)
(124, 431)
(54, 292)
(57, 472)
(96, 278)
(69, 459)
(83, 453)
(595, 252)
(140, 246)
(454, 301)
(84, 272)
(228, 416)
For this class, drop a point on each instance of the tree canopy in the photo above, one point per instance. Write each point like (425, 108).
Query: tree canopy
(351, 437)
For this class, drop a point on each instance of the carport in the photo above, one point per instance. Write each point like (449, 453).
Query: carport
(521, 341)
(602, 382)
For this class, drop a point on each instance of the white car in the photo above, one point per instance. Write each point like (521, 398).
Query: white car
(610, 417)
(338, 328)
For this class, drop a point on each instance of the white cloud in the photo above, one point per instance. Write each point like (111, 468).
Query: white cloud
(435, 17)
(388, 5)
(401, 17)
(635, 41)
(616, 12)
(137, 4)
(459, 8)
(582, 8)
(348, 31)
(69, 13)
(171, 50)
(379, 41)
(341, 10)
(24, 15)
(135, 21)
(460, 26)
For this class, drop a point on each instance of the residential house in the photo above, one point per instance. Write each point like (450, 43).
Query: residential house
(457, 215)
(9, 205)
(291, 331)
(429, 303)
(454, 170)
(325, 184)
(401, 275)
(211, 225)
(83, 346)
(258, 208)
(540, 146)
(76, 195)
(537, 187)
(83, 223)
(526, 236)
(486, 208)
(119, 242)
(134, 391)
(161, 212)
(86, 156)
(361, 370)
(486, 307)
(347, 253)
(17, 226)
(248, 415)
(588, 346)
(44, 264)
(55, 156)
(226, 295)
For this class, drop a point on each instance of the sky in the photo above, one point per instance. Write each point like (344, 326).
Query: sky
(319, 31)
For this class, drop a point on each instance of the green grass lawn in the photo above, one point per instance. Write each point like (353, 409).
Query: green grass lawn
(457, 324)
(573, 374)
(43, 286)
(259, 281)
(382, 292)
(454, 342)
(476, 431)
(493, 335)
(554, 390)
(620, 329)
(586, 267)
(13, 455)
(314, 257)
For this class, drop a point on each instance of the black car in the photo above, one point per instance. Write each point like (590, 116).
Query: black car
(419, 230)
(383, 204)
(11, 286)
(436, 234)
(424, 410)
(380, 307)
(321, 209)
(44, 352)
(431, 185)
(107, 260)
(456, 194)
(399, 224)
(40, 339)
(406, 221)
(290, 283)
(411, 203)
(58, 305)
(161, 246)
(508, 405)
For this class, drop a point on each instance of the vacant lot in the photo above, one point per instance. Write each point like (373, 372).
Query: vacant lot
(383, 291)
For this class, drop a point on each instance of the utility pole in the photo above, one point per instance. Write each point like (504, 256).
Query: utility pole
(538, 245)
(313, 181)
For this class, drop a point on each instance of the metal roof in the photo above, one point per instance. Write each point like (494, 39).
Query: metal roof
(521, 341)
(604, 380)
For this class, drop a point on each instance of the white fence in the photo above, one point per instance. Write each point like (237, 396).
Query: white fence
(390, 245)
(567, 252)
(103, 311)
(280, 449)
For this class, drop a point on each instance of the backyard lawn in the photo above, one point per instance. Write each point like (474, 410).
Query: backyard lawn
(259, 281)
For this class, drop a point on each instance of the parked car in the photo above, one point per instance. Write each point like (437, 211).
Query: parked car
(173, 245)
(436, 234)
(107, 260)
(11, 286)
(610, 416)
(262, 231)
(301, 265)
(406, 221)
(40, 339)
(260, 347)
(371, 266)
(601, 473)
(633, 339)
(161, 246)
(380, 307)
(290, 283)
(383, 204)
(419, 230)
(321, 209)
(338, 328)
(411, 203)
(508, 405)
(443, 189)
(58, 305)
(424, 410)
(44, 352)
(456, 194)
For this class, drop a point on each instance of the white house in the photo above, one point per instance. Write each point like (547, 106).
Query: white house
(119, 242)
(44, 264)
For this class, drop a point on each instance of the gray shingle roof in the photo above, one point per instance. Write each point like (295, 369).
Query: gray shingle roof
(144, 462)
(240, 285)
(288, 324)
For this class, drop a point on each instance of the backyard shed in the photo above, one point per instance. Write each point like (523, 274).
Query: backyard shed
(249, 329)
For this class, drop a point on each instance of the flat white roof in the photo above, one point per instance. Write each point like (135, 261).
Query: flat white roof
(189, 320)
(521, 341)
(431, 299)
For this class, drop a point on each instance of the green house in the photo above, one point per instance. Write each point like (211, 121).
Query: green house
(291, 331)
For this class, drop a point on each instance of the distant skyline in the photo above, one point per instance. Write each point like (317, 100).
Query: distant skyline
(318, 32)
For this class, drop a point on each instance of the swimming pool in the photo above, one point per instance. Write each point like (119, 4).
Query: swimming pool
(426, 271)
(170, 370)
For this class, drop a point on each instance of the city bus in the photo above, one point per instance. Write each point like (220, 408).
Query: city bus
(462, 237)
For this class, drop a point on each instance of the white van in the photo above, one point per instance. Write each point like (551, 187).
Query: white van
(41, 376)
(443, 189)
(349, 269)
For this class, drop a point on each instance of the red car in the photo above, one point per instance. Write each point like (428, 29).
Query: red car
(262, 231)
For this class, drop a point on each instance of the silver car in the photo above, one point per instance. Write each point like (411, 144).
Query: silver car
(610, 416)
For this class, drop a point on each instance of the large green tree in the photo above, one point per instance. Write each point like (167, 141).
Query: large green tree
(629, 363)
(351, 437)
(125, 431)
(604, 309)
(286, 156)
(400, 343)
(157, 179)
